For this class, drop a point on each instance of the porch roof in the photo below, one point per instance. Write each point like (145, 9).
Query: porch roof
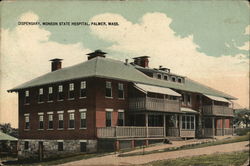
(216, 98)
(6, 137)
(188, 110)
(156, 89)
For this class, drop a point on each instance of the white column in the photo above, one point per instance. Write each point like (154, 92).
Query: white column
(213, 126)
(146, 121)
(164, 125)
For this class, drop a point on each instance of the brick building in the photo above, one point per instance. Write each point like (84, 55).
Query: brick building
(104, 104)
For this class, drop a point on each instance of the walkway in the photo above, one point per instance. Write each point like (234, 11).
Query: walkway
(141, 159)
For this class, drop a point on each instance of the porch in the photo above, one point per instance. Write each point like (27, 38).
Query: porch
(156, 126)
(217, 126)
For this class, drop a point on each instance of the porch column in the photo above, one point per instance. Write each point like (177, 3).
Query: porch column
(164, 125)
(223, 126)
(146, 121)
(213, 130)
(180, 124)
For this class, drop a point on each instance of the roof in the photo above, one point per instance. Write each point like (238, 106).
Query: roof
(114, 69)
(188, 110)
(217, 98)
(6, 137)
(156, 89)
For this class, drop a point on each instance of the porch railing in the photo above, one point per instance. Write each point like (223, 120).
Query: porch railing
(154, 104)
(209, 132)
(173, 132)
(129, 131)
(217, 110)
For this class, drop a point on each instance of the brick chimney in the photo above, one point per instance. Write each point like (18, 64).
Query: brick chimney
(56, 64)
(141, 61)
(96, 53)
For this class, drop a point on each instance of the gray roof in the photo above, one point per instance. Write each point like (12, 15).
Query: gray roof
(109, 68)
(6, 137)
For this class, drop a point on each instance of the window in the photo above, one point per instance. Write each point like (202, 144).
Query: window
(83, 118)
(71, 120)
(60, 121)
(108, 89)
(120, 118)
(83, 89)
(83, 146)
(41, 124)
(60, 92)
(120, 91)
(108, 118)
(50, 125)
(188, 99)
(71, 91)
(40, 96)
(180, 80)
(173, 79)
(159, 76)
(27, 97)
(50, 96)
(165, 77)
(188, 122)
(26, 145)
(27, 122)
(60, 146)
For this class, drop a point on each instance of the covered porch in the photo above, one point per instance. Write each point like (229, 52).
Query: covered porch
(152, 125)
(217, 126)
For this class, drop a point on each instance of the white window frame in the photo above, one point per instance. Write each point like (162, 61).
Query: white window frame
(83, 86)
(26, 120)
(27, 93)
(41, 119)
(50, 119)
(121, 111)
(71, 89)
(71, 117)
(121, 88)
(109, 110)
(187, 122)
(60, 117)
(60, 90)
(83, 112)
(108, 85)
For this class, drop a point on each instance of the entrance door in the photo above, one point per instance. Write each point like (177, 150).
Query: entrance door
(40, 150)
(83, 146)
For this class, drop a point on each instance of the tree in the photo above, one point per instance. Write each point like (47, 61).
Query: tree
(6, 128)
(242, 115)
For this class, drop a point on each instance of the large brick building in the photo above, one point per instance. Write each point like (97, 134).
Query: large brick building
(106, 104)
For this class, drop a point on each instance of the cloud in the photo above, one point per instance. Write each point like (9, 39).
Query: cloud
(25, 54)
(152, 36)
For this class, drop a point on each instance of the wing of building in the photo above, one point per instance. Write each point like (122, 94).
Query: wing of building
(106, 104)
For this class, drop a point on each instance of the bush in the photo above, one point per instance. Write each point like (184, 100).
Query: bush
(242, 131)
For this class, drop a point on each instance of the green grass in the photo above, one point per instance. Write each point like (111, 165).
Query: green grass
(54, 161)
(191, 146)
(217, 159)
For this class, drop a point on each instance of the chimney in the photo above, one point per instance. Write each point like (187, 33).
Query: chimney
(141, 61)
(96, 53)
(56, 64)
(167, 70)
(126, 61)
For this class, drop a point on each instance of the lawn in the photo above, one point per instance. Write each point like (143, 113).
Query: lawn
(54, 161)
(192, 146)
(217, 159)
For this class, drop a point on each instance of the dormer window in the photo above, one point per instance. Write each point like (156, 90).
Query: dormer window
(27, 97)
(60, 93)
(40, 96)
(71, 91)
(165, 77)
(173, 79)
(179, 80)
(50, 95)
(159, 76)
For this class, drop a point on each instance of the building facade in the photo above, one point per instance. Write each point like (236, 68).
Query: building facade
(104, 104)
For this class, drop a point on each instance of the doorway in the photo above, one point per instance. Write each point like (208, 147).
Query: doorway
(40, 150)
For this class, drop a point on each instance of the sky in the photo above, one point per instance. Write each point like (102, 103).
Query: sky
(207, 41)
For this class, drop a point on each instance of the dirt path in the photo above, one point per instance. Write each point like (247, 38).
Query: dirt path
(114, 160)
